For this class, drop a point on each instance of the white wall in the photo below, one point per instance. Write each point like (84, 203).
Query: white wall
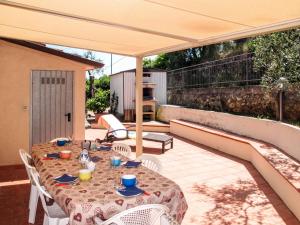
(160, 91)
(116, 85)
(127, 97)
(282, 135)
(129, 90)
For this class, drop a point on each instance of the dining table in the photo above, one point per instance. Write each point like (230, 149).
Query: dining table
(82, 201)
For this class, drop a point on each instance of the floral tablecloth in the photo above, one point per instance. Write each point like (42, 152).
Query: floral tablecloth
(97, 198)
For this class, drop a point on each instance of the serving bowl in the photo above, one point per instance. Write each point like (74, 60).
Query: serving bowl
(65, 154)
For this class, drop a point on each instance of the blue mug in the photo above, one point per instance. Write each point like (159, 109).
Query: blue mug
(128, 180)
(115, 161)
(61, 142)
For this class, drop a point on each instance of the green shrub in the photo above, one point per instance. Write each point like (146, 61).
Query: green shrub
(114, 103)
(99, 103)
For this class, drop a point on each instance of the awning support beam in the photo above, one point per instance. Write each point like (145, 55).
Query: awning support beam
(139, 105)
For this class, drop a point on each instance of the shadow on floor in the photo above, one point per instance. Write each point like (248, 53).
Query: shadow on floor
(242, 199)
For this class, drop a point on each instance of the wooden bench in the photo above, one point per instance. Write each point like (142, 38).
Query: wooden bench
(280, 170)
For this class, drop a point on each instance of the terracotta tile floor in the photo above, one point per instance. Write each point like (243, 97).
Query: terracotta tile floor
(14, 197)
(219, 189)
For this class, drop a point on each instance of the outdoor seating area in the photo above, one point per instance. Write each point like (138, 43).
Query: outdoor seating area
(150, 112)
(218, 188)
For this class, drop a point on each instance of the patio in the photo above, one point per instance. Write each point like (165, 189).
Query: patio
(220, 189)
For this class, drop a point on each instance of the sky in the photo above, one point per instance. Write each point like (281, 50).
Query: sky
(119, 62)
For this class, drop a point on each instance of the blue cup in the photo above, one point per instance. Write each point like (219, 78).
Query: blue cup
(61, 142)
(128, 180)
(115, 161)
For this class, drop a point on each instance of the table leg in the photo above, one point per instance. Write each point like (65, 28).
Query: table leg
(163, 147)
(171, 143)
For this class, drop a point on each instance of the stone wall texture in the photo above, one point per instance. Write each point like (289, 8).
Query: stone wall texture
(251, 100)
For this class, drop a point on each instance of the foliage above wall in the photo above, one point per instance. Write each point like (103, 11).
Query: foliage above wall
(192, 56)
(277, 55)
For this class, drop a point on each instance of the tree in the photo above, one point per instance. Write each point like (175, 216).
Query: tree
(92, 56)
(90, 89)
(277, 55)
(192, 56)
(102, 82)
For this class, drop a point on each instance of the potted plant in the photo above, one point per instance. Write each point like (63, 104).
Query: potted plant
(99, 103)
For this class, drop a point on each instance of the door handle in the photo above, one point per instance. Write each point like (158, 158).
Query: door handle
(69, 116)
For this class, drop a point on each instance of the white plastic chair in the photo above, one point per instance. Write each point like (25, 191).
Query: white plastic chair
(121, 148)
(54, 215)
(34, 195)
(151, 214)
(150, 162)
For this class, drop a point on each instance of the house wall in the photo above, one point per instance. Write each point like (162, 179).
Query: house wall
(116, 85)
(16, 64)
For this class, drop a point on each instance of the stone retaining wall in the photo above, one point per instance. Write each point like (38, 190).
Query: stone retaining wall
(252, 100)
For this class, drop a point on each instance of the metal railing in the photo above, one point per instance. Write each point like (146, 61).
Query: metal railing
(232, 71)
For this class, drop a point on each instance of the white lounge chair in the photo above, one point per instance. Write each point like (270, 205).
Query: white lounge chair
(115, 129)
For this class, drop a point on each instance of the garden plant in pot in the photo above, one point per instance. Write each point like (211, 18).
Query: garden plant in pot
(99, 103)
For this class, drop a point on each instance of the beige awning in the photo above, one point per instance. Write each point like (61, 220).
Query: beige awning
(143, 27)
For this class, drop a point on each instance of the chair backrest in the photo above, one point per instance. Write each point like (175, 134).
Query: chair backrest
(26, 158)
(42, 192)
(112, 123)
(150, 162)
(50, 207)
(150, 214)
(121, 148)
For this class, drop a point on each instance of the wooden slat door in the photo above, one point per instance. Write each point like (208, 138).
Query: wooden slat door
(52, 105)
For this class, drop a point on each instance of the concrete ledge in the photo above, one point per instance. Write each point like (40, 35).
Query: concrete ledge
(206, 137)
(160, 128)
(284, 179)
(286, 137)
